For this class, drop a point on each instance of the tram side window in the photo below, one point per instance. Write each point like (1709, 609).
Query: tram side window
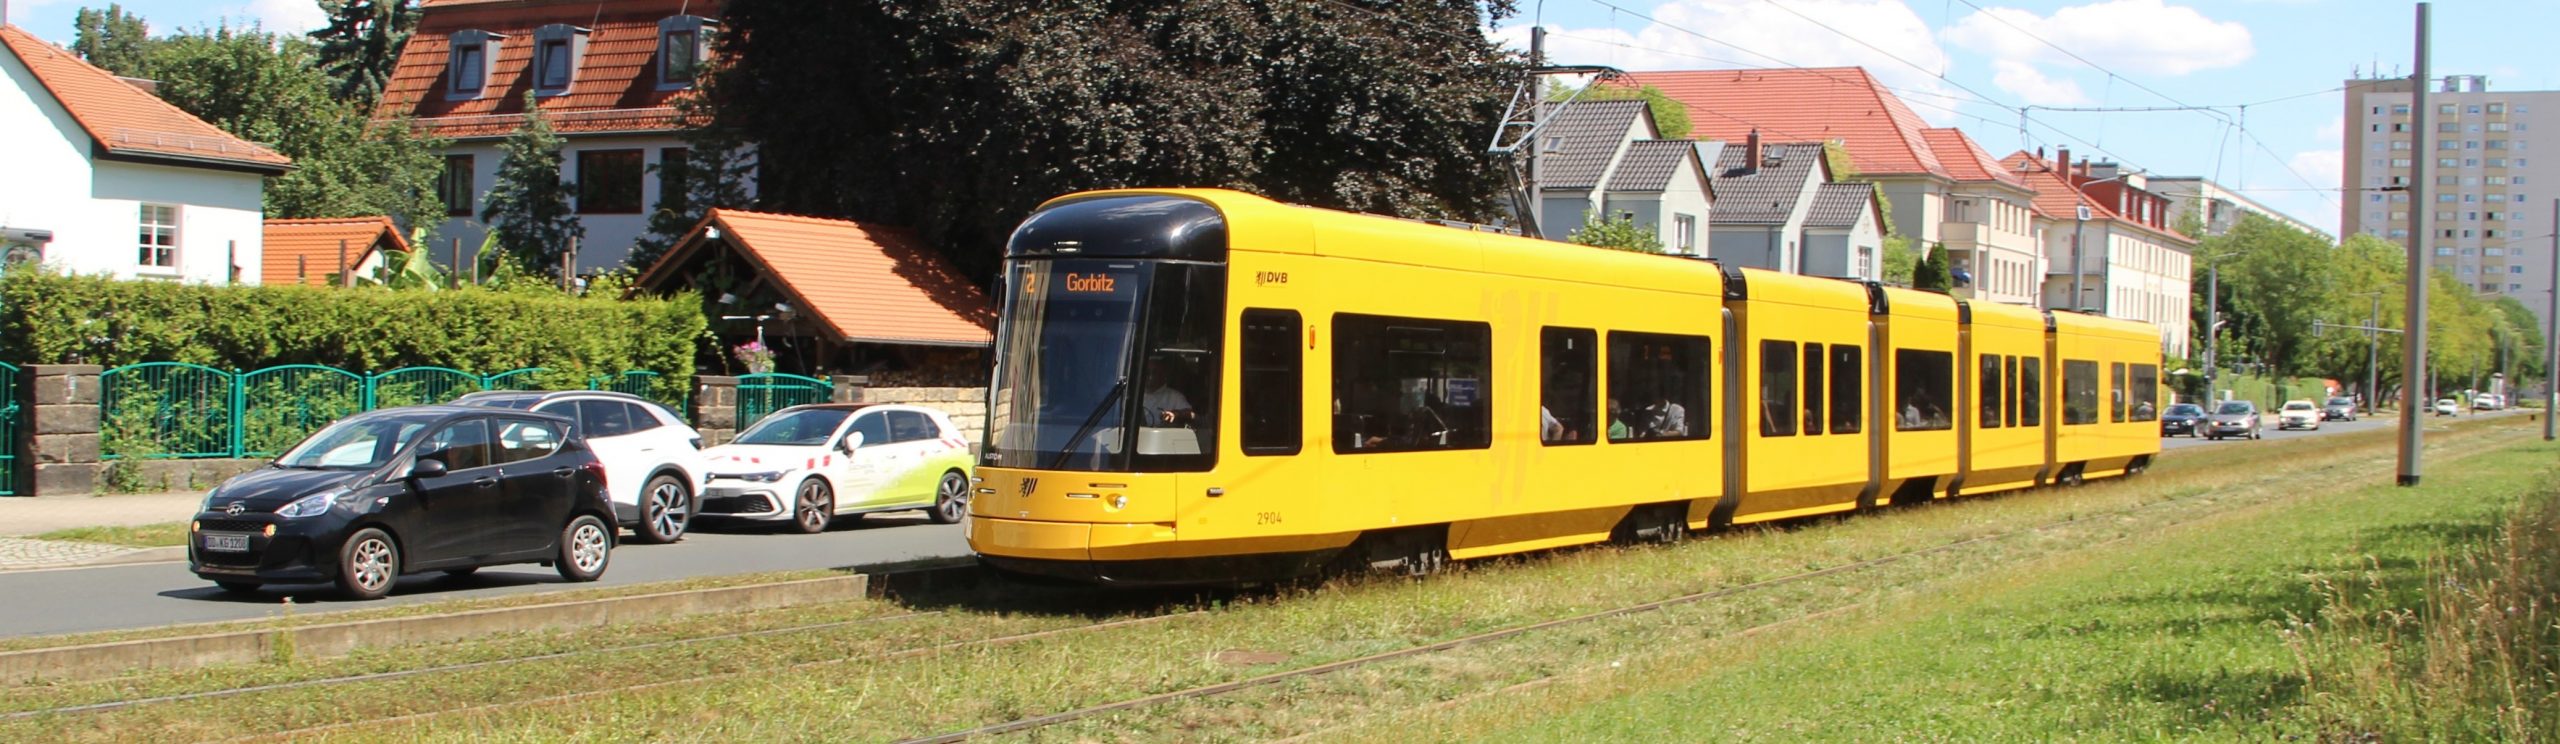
(2115, 394)
(2009, 411)
(1409, 384)
(1658, 387)
(2079, 392)
(2030, 391)
(1813, 381)
(1991, 385)
(1274, 382)
(1924, 389)
(1848, 389)
(2146, 392)
(1568, 389)
(1777, 388)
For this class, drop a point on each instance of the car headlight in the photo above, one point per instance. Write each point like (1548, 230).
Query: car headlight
(309, 506)
(765, 477)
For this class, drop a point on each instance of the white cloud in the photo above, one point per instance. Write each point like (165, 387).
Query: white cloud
(1754, 33)
(2137, 37)
(2031, 84)
(2333, 132)
(2324, 168)
(286, 16)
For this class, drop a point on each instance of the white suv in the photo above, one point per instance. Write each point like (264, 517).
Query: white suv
(652, 460)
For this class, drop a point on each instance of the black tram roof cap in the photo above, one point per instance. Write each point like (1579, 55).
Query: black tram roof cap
(1123, 225)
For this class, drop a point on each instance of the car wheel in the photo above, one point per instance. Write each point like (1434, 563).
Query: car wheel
(666, 508)
(461, 572)
(368, 564)
(239, 587)
(813, 506)
(586, 545)
(950, 499)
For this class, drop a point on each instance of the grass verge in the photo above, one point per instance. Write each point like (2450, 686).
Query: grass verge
(163, 535)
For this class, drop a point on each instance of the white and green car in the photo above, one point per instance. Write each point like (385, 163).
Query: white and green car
(809, 464)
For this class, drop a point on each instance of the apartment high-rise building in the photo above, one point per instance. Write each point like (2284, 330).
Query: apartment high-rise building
(2491, 197)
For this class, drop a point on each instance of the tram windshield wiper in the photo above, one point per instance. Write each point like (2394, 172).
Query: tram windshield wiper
(1069, 447)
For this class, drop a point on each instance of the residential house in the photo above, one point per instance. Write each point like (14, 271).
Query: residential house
(608, 75)
(2104, 230)
(1604, 158)
(2218, 208)
(104, 178)
(1988, 224)
(1778, 209)
(1823, 104)
(328, 249)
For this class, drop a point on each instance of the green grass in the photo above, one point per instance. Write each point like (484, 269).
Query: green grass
(840, 684)
(163, 535)
(2182, 634)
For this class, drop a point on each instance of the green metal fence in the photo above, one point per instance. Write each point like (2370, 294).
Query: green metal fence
(764, 393)
(9, 411)
(172, 410)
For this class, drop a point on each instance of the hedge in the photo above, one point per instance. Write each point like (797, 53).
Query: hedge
(50, 318)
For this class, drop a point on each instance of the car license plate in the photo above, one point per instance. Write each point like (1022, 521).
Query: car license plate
(227, 543)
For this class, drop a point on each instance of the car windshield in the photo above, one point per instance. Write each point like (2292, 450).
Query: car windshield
(2342, 401)
(361, 442)
(804, 428)
(2235, 408)
(2299, 405)
(2186, 409)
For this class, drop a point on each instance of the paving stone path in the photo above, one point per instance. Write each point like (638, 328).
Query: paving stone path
(19, 553)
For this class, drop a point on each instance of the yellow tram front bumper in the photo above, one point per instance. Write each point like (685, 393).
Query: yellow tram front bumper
(1071, 541)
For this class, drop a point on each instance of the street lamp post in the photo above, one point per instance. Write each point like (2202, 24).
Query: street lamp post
(2079, 228)
(2551, 335)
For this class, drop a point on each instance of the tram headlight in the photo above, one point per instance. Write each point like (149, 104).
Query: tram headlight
(1119, 502)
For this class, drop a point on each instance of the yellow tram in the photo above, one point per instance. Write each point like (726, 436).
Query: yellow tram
(1201, 386)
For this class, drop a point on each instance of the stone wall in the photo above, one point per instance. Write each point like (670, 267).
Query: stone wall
(715, 408)
(61, 429)
(967, 406)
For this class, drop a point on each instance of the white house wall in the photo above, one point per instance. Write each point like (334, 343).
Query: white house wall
(609, 236)
(94, 208)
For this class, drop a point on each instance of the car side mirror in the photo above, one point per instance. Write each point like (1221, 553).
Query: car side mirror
(851, 442)
(423, 469)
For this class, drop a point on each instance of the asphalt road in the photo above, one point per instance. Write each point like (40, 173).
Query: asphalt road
(139, 596)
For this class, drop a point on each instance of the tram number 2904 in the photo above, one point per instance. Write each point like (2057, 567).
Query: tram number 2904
(1266, 518)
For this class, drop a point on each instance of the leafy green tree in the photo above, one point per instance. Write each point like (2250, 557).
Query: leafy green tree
(718, 171)
(985, 108)
(1616, 233)
(113, 39)
(1900, 263)
(361, 43)
(1670, 116)
(2283, 278)
(265, 88)
(1933, 272)
(529, 207)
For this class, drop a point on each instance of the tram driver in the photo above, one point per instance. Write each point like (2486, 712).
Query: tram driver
(1165, 406)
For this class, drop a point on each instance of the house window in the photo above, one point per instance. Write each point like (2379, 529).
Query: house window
(673, 165)
(1687, 227)
(467, 66)
(682, 43)
(454, 185)
(159, 236)
(609, 181)
(556, 49)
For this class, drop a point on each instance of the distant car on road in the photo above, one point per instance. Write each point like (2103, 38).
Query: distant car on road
(2484, 402)
(406, 490)
(2233, 418)
(2341, 408)
(2298, 414)
(652, 460)
(2447, 407)
(2181, 420)
(807, 465)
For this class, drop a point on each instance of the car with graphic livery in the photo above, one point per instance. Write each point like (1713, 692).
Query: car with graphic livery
(806, 466)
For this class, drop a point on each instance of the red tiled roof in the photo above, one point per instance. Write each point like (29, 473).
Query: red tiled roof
(306, 250)
(1803, 105)
(2056, 198)
(865, 282)
(614, 89)
(1965, 160)
(124, 120)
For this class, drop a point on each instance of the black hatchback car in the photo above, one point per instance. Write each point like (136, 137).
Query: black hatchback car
(408, 490)
(2181, 420)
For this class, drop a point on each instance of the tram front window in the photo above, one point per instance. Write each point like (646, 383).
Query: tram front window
(1108, 365)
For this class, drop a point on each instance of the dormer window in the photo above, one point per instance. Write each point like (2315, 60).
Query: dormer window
(683, 42)
(467, 67)
(556, 49)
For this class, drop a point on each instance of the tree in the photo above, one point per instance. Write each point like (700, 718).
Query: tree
(114, 40)
(1899, 261)
(1670, 116)
(528, 209)
(264, 88)
(1616, 233)
(718, 170)
(972, 112)
(2283, 282)
(362, 41)
(1933, 273)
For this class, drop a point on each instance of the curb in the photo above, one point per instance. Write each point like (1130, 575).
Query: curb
(103, 660)
(136, 555)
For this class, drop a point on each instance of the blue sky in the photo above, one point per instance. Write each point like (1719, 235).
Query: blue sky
(1958, 64)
